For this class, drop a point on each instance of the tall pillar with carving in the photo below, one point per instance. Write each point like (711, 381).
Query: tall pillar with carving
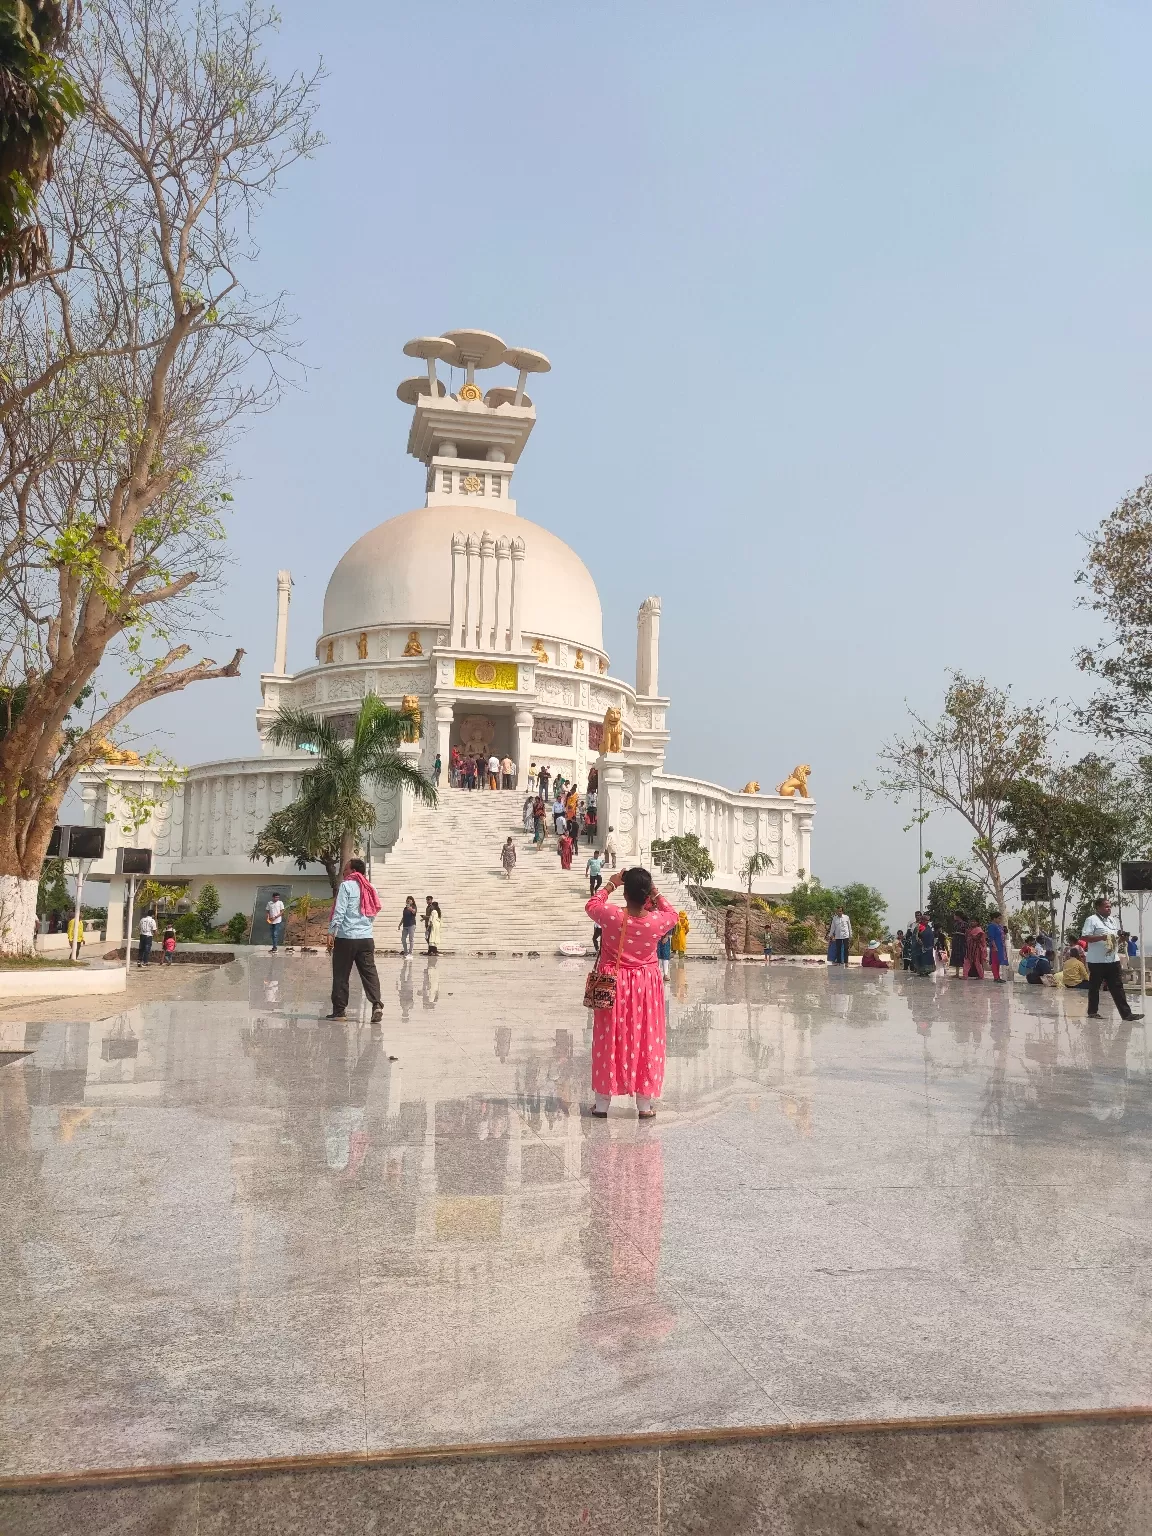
(487, 590)
(516, 549)
(458, 601)
(648, 647)
(283, 598)
(471, 591)
(523, 723)
(503, 595)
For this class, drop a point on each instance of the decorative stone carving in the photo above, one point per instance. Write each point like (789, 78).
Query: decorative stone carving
(476, 733)
(413, 648)
(796, 783)
(539, 652)
(556, 691)
(346, 688)
(410, 705)
(595, 735)
(613, 732)
(550, 732)
(600, 698)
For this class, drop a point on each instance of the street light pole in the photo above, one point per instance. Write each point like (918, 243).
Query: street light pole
(920, 755)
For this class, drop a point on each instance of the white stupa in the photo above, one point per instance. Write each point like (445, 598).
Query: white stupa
(490, 624)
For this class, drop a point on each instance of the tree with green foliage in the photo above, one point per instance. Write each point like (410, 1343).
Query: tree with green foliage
(1118, 578)
(957, 892)
(38, 99)
(966, 761)
(685, 856)
(207, 906)
(332, 814)
(236, 928)
(863, 904)
(52, 895)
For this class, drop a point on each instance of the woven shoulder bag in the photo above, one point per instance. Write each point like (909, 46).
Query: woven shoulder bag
(600, 986)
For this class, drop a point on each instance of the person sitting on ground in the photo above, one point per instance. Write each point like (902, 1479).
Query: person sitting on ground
(508, 857)
(870, 960)
(1039, 971)
(1027, 959)
(1074, 969)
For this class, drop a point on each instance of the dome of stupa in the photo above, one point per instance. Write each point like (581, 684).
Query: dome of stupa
(400, 573)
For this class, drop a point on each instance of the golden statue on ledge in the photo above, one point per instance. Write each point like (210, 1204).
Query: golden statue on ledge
(410, 706)
(579, 659)
(796, 783)
(330, 653)
(116, 757)
(603, 666)
(751, 788)
(539, 652)
(613, 738)
(362, 646)
(413, 648)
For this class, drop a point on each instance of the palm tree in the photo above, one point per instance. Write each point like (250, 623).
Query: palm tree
(754, 866)
(329, 819)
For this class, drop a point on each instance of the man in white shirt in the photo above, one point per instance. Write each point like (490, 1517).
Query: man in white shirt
(493, 772)
(508, 769)
(147, 934)
(840, 931)
(610, 847)
(1101, 930)
(274, 912)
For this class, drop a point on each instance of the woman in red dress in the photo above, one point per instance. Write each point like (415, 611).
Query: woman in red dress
(628, 1038)
(565, 852)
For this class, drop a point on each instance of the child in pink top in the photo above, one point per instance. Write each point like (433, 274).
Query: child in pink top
(628, 1039)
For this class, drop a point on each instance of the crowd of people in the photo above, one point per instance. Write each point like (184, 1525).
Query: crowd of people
(1091, 963)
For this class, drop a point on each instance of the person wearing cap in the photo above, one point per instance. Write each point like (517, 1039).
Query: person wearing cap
(870, 960)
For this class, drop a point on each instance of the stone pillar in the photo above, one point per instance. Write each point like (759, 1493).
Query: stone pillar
(503, 595)
(523, 722)
(283, 598)
(610, 801)
(804, 846)
(458, 602)
(117, 892)
(487, 590)
(444, 739)
(471, 592)
(516, 597)
(648, 647)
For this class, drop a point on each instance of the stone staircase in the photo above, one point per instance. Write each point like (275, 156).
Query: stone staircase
(452, 851)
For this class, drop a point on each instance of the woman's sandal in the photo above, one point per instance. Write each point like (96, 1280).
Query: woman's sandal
(645, 1114)
(598, 1114)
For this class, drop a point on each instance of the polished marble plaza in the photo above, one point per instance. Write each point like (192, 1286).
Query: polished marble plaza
(231, 1230)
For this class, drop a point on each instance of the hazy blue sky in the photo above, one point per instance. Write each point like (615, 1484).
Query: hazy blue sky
(848, 306)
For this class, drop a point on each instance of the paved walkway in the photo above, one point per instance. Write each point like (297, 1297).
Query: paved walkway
(229, 1230)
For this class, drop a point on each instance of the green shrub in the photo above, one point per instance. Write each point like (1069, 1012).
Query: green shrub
(207, 906)
(188, 927)
(236, 928)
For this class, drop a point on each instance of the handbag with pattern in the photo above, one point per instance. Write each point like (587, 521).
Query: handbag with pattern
(600, 986)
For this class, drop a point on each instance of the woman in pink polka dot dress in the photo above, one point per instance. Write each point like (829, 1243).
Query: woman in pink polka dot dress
(628, 1038)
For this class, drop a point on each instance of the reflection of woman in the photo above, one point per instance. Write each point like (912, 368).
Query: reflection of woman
(628, 1038)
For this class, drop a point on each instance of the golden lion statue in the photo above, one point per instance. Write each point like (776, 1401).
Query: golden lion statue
(613, 738)
(797, 782)
(116, 757)
(410, 705)
(751, 788)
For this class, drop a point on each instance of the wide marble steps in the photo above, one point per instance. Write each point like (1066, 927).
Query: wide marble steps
(452, 852)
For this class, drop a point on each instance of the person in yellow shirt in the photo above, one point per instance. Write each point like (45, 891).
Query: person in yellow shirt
(1075, 972)
(680, 935)
(76, 932)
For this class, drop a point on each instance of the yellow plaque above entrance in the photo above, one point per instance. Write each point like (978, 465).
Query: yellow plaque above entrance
(488, 674)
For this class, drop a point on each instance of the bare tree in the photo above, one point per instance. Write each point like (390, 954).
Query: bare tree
(967, 761)
(126, 367)
(1118, 577)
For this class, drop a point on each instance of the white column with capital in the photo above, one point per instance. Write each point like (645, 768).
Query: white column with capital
(523, 722)
(487, 590)
(283, 598)
(471, 592)
(458, 601)
(516, 596)
(503, 595)
(648, 647)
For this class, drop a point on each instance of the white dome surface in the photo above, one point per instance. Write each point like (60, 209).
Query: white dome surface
(401, 573)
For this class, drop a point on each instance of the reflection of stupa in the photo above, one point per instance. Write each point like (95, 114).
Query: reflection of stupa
(488, 624)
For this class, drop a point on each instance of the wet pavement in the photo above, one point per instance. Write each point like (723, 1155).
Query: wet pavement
(230, 1230)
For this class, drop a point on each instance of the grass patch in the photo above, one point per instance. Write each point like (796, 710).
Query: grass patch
(35, 963)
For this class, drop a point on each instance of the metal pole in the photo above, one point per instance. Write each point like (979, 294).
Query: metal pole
(75, 945)
(128, 934)
(1142, 968)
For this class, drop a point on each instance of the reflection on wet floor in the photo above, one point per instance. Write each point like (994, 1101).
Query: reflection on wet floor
(233, 1229)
